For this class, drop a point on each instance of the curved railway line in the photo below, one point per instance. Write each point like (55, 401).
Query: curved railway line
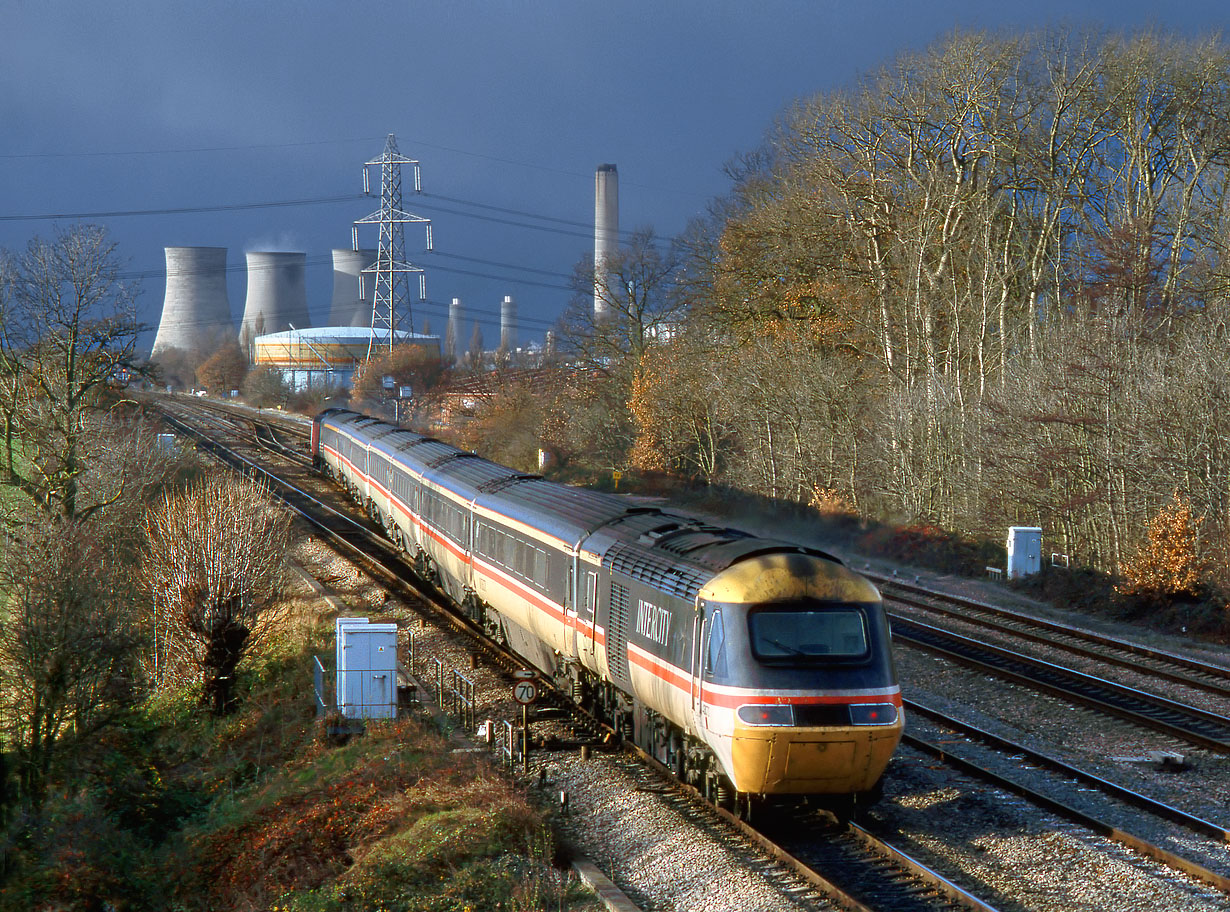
(849, 865)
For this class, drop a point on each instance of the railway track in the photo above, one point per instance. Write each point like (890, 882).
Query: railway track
(852, 867)
(1179, 720)
(1209, 677)
(1096, 821)
(860, 871)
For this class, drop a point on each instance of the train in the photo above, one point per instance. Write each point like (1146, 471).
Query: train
(754, 668)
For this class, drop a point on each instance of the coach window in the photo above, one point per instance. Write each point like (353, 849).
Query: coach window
(715, 658)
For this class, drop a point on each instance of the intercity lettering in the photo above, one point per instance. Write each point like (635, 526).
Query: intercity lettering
(652, 621)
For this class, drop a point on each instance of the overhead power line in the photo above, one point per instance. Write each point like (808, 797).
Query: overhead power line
(183, 210)
(125, 153)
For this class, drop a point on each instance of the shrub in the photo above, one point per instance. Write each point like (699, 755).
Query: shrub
(1167, 565)
(932, 547)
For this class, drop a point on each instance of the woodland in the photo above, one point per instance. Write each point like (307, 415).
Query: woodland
(986, 286)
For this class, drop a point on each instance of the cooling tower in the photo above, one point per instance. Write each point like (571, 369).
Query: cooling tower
(455, 344)
(277, 295)
(508, 324)
(606, 232)
(196, 313)
(348, 307)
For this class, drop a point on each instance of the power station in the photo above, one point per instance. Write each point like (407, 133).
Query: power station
(370, 301)
(196, 312)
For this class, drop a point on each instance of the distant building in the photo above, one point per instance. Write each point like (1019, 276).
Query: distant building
(327, 355)
(466, 397)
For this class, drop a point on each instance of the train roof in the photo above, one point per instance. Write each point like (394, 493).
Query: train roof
(671, 550)
(344, 417)
(465, 474)
(414, 450)
(678, 553)
(400, 439)
(565, 513)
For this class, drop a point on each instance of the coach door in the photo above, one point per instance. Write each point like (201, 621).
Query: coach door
(697, 681)
(587, 608)
(708, 657)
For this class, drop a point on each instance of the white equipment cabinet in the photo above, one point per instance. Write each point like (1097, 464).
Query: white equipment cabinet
(366, 669)
(1024, 551)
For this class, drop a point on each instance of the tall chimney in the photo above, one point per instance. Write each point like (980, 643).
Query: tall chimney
(196, 312)
(453, 336)
(508, 324)
(606, 234)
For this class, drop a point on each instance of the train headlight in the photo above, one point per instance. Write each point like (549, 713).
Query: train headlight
(873, 714)
(772, 714)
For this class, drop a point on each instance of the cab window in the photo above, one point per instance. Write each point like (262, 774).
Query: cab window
(809, 634)
(715, 658)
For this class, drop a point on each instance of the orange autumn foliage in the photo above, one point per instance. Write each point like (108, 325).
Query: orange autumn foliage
(1168, 562)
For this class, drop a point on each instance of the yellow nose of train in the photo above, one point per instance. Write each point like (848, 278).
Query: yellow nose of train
(814, 706)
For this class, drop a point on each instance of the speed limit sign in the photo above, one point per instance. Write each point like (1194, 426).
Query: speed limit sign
(525, 692)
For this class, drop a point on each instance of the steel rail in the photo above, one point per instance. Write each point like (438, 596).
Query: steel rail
(1038, 758)
(1177, 719)
(1019, 631)
(1117, 834)
(1158, 655)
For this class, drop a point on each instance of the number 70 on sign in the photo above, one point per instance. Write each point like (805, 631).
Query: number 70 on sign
(525, 692)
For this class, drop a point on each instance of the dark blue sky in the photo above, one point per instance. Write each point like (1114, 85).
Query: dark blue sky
(508, 104)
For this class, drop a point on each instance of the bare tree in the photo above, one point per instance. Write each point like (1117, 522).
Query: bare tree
(639, 293)
(264, 386)
(474, 355)
(215, 563)
(68, 333)
(419, 367)
(66, 642)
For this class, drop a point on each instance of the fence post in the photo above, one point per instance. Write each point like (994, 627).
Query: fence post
(318, 685)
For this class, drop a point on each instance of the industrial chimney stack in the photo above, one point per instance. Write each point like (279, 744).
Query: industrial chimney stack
(349, 308)
(456, 345)
(508, 324)
(606, 234)
(277, 294)
(196, 313)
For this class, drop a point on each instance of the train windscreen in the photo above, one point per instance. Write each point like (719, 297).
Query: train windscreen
(808, 633)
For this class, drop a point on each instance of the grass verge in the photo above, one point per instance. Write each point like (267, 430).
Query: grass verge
(181, 811)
